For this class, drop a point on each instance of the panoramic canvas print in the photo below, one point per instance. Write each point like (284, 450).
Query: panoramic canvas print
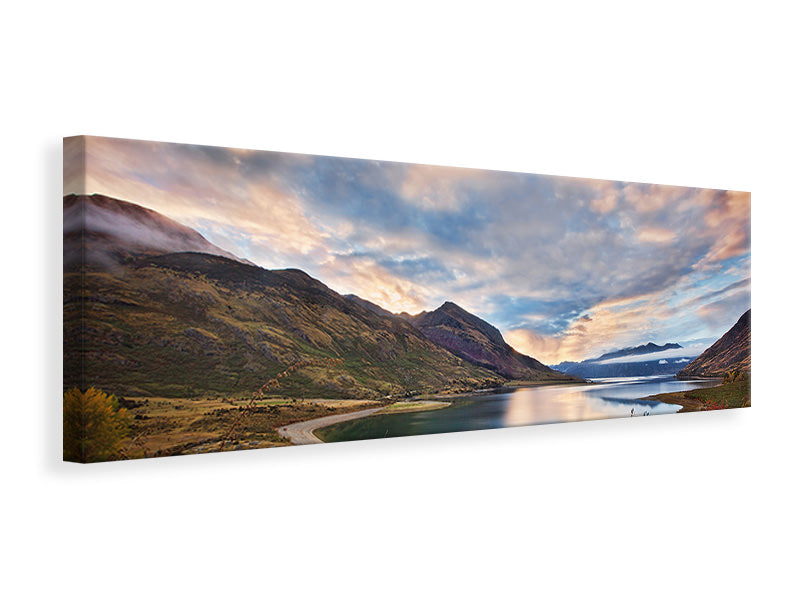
(222, 299)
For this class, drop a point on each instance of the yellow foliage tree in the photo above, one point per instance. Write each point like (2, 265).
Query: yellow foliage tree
(94, 426)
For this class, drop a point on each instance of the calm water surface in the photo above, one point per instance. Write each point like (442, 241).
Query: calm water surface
(606, 399)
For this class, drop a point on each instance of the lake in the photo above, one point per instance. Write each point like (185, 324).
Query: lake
(605, 399)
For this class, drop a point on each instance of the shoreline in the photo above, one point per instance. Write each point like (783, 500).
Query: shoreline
(302, 432)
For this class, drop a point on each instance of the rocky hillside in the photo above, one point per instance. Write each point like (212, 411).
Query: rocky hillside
(730, 352)
(475, 340)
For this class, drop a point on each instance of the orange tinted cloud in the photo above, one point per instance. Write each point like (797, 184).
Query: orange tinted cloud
(647, 198)
(729, 218)
(365, 278)
(605, 326)
(201, 191)
(655, 235)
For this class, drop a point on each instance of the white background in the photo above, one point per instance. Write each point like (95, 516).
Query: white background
(687, 93)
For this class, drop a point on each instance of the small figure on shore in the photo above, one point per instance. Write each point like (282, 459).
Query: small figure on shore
(631, 412)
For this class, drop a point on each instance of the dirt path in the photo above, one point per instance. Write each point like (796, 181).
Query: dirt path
(302, 433)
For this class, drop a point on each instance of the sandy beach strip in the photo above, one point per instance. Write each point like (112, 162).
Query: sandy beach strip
(303, 432)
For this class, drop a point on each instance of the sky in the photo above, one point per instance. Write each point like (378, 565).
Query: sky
(566, 268)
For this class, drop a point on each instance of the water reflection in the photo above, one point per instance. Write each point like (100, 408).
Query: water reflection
(605, 399)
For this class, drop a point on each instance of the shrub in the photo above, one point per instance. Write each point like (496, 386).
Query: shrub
(94, 426)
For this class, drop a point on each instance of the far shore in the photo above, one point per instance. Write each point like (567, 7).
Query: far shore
(509, 386)
(413, 406)
(730, 394)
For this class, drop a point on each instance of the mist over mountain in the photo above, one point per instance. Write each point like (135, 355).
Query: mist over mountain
(648, 348)
(108, 232)
(638, 361)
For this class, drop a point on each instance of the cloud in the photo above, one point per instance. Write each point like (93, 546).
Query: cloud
(731, 214)
(364, 277)
(545, 348)
(215, 190)
(656, 235)
(438, 188)
(735, 286)
(74, 165)
(723, 314)
(611, 325)
(647, 198)
(607, 197)
(620, 323)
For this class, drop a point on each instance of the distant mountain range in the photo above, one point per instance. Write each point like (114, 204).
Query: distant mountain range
(613, 364)
(153, 308)
(730, 352)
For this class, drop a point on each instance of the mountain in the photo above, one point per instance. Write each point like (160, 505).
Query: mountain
(730, 352)
(158, 310)
(475, 340)
(108, 232)
(613, 364)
